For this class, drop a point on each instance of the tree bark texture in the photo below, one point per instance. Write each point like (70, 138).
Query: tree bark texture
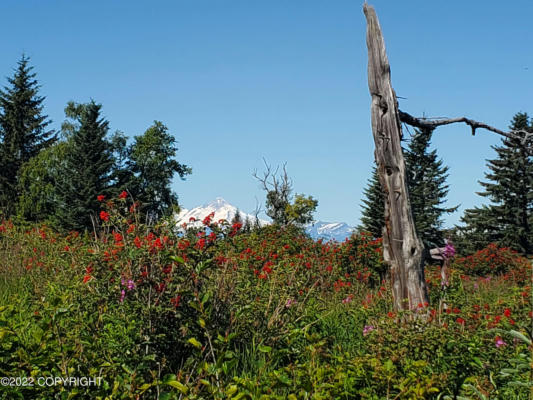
(402, 250)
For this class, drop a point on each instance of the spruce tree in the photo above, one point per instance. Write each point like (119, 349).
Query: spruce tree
(23, 130)
(426, 182)
(508, 219)
(237, 218)
(373, 209)
(89, 162)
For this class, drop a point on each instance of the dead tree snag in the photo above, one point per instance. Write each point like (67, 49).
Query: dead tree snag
(402, 250)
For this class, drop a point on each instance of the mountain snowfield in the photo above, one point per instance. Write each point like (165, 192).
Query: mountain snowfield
(223, 210)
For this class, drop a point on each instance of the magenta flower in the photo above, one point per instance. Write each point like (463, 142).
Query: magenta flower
(367, 329)
(449, 250)
(290, 302)
(130, 285)
(498, 341)
(122, 294)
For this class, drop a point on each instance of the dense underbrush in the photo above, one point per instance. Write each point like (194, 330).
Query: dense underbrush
(217, 313)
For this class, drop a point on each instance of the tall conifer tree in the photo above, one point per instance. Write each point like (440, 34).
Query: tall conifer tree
(23, 130)
(89, 162)
(373, 208)
(508, 219)
(426, 182)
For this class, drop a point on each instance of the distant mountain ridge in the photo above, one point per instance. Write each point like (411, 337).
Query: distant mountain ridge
(338, 231)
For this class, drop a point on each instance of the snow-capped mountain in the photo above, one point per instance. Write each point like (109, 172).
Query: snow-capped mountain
(223, 210)
(329, 230)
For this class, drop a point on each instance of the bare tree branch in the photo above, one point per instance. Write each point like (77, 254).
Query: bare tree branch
(425, 123)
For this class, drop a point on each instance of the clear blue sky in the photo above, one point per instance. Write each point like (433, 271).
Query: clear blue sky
(236, 81)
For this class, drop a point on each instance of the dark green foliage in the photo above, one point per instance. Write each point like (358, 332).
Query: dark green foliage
(23, 130)
(39, 181)
(153, 165)
(237, 218)
(373, 213)
(508, 219)
(426, 182)
(89, 162)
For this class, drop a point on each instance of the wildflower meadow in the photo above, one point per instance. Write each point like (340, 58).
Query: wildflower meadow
(209, 311)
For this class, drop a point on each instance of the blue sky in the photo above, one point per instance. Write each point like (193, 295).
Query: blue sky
(236, 81)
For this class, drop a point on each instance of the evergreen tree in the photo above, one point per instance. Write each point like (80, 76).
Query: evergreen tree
(426, 182)
(373, 209)
(153, 165)
(23, 130)
(247, 226)
(89, 162)
(508, 219)
(237, 218)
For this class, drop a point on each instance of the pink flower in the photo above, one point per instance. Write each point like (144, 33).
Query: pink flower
(367, 329)
(290, 302)
(122, 294)
(498, 341)
(347, 300)
(449, 250)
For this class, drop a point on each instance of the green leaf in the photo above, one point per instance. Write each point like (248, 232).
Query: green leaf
(265, 349)
(520, 336)
(145, 387)
(178, 259)
(181, 387)
(195, 343)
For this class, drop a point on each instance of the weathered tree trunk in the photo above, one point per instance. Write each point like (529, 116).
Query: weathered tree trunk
(402, 250)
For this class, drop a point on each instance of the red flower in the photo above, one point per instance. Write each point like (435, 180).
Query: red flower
(507, 312)
(118, 237)
(390, 314)
(100, 197)
(176, 301)
(123, 195)
(200, 244)
(460, 321)
(104, 216)
(137, 242)
(86, 278)
(131, 228)
(207, 220)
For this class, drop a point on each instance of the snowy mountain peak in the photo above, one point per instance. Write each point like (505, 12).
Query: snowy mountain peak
(219, 202)
(223, 210)
(219, 206)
